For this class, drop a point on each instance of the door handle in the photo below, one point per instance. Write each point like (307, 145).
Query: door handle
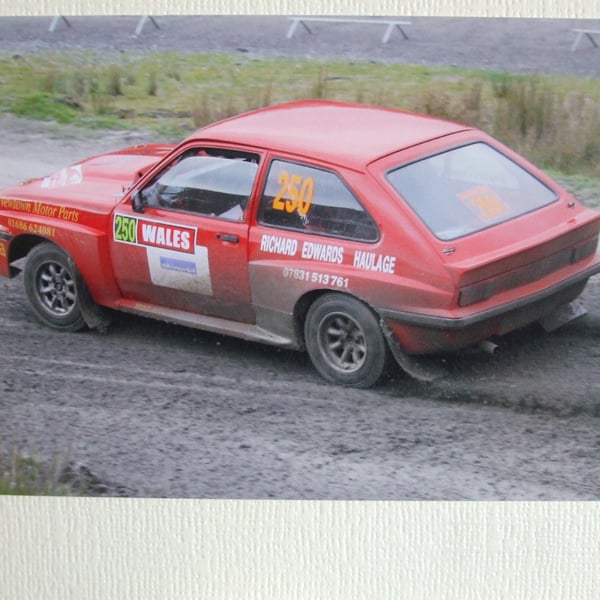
(228, 237)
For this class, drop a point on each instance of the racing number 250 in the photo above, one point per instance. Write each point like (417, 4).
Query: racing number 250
(297, 191)
(125, 229)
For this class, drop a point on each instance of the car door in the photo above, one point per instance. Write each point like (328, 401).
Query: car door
(181, 240)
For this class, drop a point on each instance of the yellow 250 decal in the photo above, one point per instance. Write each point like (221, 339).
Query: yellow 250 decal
(297, 191)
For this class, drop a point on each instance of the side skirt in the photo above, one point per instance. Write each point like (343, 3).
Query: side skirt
(244, 331)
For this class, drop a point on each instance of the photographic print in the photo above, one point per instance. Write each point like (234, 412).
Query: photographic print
(225, 353)
(318, 258)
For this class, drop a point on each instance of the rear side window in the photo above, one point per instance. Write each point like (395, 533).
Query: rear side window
(468, 189)
(312, 200)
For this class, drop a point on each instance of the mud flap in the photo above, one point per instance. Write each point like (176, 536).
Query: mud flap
(93, 315)
(563, 315)
(421, 368)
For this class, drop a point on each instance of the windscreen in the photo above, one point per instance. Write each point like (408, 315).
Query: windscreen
(468, 189)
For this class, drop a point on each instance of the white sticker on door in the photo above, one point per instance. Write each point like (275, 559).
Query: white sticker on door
(187, 272)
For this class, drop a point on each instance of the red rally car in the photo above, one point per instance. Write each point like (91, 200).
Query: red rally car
(353, 232)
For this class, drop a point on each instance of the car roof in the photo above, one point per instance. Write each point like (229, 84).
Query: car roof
(352, 135)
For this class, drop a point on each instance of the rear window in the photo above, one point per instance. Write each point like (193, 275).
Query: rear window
(468, 189)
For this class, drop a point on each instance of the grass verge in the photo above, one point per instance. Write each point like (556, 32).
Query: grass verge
(554, 121)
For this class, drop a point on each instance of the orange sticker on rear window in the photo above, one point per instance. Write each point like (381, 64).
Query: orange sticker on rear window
(484, 202)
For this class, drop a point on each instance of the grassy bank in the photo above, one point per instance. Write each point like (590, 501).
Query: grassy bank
(554, 121)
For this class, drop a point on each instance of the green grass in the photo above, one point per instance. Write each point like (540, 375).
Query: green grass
(42, 106)
(21, 474)
(554, 121)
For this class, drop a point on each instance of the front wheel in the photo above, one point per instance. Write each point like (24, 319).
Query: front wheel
(344, 341)
(51, 287)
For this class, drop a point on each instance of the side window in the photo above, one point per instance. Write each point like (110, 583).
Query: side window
(314, 201)
(211, 182)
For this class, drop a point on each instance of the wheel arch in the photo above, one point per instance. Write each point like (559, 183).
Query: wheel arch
(20, 247)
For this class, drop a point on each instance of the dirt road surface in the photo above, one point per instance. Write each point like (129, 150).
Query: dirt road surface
(156, 410)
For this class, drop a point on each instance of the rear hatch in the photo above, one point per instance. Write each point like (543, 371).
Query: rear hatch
(496, 266)
(498, 224)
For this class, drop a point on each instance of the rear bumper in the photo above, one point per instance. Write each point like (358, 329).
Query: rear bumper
(422, 333)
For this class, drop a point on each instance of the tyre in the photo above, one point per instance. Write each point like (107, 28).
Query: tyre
(344, 341)
(51, 286)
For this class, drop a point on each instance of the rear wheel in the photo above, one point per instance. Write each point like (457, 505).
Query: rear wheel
(344, 341)
(51, 287)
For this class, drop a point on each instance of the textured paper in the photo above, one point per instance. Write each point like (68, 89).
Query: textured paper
(109, 549)
(88, 549)
(581, 9)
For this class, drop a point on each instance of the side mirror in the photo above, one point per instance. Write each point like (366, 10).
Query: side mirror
(138, 202)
